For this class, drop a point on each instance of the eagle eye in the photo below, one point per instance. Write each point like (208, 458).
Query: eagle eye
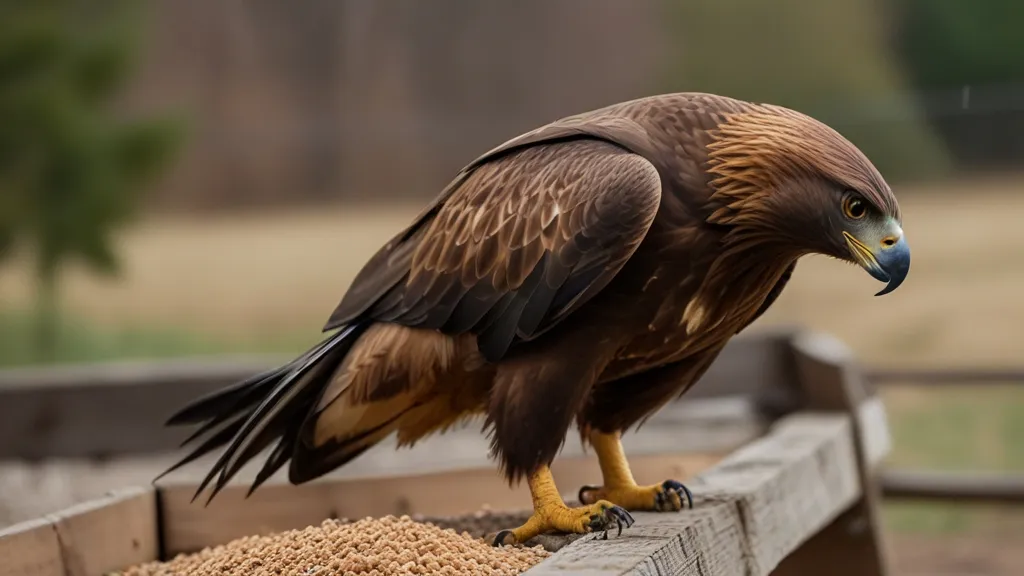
(854, 207)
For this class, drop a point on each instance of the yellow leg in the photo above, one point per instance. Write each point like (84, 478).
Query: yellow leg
(620, 487)
(550, 514)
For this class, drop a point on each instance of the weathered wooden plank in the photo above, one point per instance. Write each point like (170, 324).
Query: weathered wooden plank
(753, 508)
(88, 539)
(110, 409)
(188, 527)
(30, 549)
(852, 545)
(109, 533)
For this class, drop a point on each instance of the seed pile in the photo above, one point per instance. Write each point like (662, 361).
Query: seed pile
(372, 546)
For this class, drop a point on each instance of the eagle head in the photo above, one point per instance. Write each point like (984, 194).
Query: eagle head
(782, 179)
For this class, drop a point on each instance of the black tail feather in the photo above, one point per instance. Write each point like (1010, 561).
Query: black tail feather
(226, 399)
(251, 415)
(284, 426)
(212, 443)
(206, 427)
(244, 394)
(278, 458)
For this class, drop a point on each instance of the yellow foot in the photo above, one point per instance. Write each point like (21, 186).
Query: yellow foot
(668, 496)
(601, 515)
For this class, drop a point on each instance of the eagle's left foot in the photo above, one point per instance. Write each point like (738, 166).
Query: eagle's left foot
(669, 496)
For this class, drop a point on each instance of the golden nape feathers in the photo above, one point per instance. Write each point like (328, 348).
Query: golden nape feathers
(587, 271)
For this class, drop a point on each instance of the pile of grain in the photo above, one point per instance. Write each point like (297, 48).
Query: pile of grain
(377, 546)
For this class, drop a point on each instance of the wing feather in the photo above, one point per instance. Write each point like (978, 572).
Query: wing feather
(523, 236)
(390, 266)
(580, 210)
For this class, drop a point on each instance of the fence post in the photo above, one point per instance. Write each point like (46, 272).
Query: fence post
(853, 544)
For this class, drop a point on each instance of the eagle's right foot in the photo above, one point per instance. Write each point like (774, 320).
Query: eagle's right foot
(550, 514)
(597, 517)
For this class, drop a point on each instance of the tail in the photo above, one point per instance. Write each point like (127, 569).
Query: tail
(255, 412)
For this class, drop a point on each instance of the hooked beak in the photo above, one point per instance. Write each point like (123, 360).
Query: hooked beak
(888, 261)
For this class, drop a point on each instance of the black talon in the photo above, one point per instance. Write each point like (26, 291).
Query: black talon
(499, 538)
(604, 520)
(622, 516)
(679, 488)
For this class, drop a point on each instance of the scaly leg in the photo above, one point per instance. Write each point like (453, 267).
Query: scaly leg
(550, 514)
(620, 487)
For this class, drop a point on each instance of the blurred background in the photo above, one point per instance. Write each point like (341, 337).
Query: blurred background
(183, 178)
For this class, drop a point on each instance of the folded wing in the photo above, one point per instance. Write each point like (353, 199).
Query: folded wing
(516, 245)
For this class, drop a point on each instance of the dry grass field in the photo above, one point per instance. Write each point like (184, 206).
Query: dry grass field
(268, 282)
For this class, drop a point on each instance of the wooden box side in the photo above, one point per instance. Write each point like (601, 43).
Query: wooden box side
(89, 539)
(31, 549)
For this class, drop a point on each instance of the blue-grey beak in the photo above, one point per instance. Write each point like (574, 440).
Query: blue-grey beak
(888, 261)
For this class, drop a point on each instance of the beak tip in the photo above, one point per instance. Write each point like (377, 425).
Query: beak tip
(888, 288)
(897, 270)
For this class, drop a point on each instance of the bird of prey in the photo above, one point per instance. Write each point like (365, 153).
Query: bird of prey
(586, 272)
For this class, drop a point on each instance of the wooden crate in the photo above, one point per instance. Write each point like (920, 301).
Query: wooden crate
(799, 499)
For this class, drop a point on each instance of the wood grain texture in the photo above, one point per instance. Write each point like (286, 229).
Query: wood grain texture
(110, 533)
(753, 508)
(89, 539)
(30, 549)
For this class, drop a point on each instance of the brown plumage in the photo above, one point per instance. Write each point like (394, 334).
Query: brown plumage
(588, 270)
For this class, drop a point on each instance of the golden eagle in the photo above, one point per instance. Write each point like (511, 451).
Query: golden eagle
(590, 271)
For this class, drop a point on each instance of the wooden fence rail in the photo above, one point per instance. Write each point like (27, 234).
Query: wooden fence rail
(945, 376)
(991, 488)
(907, 484)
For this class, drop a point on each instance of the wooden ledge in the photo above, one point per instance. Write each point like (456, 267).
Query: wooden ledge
(753, 508)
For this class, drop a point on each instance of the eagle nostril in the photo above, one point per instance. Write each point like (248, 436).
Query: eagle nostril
(889, 241)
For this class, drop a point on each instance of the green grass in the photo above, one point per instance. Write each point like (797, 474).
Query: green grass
(82, 342)
(956, 429)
